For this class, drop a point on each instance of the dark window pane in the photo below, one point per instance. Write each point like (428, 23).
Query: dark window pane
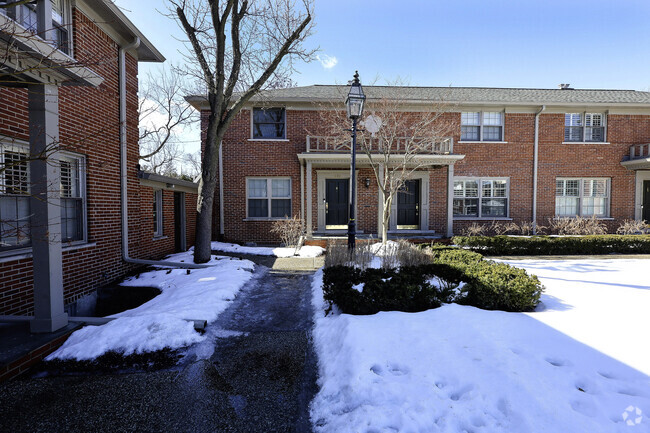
(71, 219)
(466, 207)
(469, 133)
(269, 123)
(573, 133)
(595, 134)
(258, 208)
(280, 208)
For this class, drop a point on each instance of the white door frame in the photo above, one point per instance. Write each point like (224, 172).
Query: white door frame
(641, 175)
(321, 177)
(424, 178)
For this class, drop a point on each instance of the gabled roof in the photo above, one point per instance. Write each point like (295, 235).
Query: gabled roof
(460, 95)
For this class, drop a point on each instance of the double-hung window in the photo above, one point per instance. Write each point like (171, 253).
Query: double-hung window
(15, 195)
(584, 197)
(584, 127)
(269, 197)
(481, 126)
(481, 197)
(269, 123)
(158, 213)
(14, 198)
(72, 199)
(27, 16)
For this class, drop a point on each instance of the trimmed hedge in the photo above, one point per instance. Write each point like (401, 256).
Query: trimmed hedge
(488, 285)
(407, 289)
(491, 285)
(563, 245)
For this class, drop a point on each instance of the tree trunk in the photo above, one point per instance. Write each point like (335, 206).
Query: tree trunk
(207, 187)
(388, 200)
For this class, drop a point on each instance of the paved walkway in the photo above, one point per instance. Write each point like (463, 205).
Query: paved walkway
(256, 372)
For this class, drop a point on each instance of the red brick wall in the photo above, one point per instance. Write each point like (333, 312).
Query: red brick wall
(89, 125)
(513, 159)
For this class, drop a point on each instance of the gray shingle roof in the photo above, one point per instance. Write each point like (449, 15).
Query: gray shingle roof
(464, 95)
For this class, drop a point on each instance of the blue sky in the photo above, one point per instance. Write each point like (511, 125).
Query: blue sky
(496, 43)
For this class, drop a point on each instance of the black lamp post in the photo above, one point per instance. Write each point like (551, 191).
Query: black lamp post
(354, 104)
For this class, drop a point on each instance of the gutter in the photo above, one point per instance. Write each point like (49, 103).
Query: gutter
(535, 167)
(123, 172)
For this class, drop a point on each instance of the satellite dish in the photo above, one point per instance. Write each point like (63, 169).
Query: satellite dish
(372, 124)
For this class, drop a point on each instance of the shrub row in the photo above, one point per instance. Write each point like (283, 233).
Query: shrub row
(409, 289)
(544, 245)
(486, 284)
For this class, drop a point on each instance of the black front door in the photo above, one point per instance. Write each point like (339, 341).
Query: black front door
(336, 203)
(646, 201)
(178, 222)
(408, 206)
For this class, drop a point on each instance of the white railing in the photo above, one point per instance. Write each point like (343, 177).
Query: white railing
(639, 151)
(444, 146)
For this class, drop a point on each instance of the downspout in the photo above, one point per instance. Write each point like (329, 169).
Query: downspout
(222, 230)
(535, 165)
(124, 171)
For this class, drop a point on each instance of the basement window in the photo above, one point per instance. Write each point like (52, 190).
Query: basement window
(158, 213)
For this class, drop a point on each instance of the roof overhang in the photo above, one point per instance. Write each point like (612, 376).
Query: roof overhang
(637, 164)
(200, 103)
(165, 182)
(111, 19)
(29, 59)
(323, 159)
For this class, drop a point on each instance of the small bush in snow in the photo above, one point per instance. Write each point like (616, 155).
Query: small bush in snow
(633, 227)
(338, 254)
(409, 289)
(290, 230)
(577, 226)
(474, 229)
(409, 255)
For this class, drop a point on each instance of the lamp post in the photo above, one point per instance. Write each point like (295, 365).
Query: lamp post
(354, 104)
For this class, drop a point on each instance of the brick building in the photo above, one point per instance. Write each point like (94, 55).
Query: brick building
(84, 215)
(514, 155)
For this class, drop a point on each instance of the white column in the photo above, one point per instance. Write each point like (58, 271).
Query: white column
(45, 205)
(309, 209)
(450, 200)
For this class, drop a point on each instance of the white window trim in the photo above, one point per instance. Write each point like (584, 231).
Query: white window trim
(583, 121)
(580, 197)
(481, 125)
(252, 125)
(269, 197)
(158, 201)
(14, 145)
(480, 197)
(81, 161)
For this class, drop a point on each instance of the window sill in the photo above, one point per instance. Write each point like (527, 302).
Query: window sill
(159, 238)
(485, 141)
(586, 142)
(468, 218)
(26, 253)
(269, 139)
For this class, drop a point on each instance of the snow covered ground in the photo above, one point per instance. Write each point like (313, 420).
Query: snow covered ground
(305, 251)
(200, 295)
(578, 364)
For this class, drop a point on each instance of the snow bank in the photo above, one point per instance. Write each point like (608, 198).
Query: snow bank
(305, 251)
(459, 368)
(160, 323)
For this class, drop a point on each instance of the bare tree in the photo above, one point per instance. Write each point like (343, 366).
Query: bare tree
(394, 140)
(237, 49)
(164, 114)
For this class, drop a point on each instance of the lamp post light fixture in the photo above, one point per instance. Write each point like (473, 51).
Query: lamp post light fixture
(354, 104)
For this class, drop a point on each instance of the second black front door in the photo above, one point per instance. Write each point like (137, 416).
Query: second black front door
(336, 203)
(645, 215)
(408, 206)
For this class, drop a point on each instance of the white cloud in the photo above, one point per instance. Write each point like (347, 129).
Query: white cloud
(328, 62)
